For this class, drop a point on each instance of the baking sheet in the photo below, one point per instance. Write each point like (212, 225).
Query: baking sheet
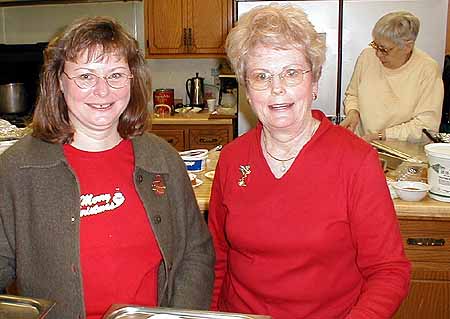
(395, 152)
(135, 312)
(15, 307)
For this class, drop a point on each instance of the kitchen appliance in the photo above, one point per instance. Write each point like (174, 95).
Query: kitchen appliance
(195, 90)
(13, 98)
(358, 19)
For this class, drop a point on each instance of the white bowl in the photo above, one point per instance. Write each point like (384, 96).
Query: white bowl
(411, 191)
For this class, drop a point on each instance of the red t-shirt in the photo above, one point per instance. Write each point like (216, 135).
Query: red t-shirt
(119, 253)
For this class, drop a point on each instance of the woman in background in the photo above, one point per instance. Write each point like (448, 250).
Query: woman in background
(93, 210)
(396, 89)
(301, 217)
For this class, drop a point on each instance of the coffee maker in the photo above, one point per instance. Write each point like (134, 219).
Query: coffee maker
(195, 91)
(228, 91)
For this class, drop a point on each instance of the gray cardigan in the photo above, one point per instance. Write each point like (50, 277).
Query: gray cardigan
(40, 218)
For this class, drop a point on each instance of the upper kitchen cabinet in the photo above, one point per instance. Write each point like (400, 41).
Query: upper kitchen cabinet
(187, 28)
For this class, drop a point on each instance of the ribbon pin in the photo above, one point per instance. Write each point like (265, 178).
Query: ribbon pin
(158, 186)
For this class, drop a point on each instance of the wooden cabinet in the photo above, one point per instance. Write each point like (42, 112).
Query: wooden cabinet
(175, 137)
(194, 136)
(187, 28)
(427, 245)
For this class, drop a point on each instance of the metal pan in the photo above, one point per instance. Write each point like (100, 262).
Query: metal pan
(134, 312)
(13, 98)
(15, 307)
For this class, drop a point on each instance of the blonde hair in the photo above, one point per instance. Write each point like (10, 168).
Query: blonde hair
(398, 27)
(277, 26)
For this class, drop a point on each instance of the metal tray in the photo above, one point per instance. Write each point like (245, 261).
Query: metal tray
(16, 307)
(135, 312)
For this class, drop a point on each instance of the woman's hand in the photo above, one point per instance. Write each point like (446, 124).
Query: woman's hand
(351, 120)
(379, 136)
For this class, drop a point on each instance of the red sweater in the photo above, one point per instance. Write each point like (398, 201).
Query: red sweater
(321, 242)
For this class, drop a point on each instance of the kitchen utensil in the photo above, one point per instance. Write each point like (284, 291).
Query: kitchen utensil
(13, 98)
(435, 139)
(195, 91)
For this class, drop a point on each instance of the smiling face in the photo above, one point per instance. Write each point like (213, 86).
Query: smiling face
(282, 105)
(391, 55)
(95, 111)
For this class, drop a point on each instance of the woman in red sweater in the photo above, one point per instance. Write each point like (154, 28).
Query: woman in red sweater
(300, 214)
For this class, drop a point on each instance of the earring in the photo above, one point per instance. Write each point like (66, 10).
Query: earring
(314, 96)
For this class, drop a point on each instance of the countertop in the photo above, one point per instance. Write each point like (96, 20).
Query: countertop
(426, 208)
(192, 119)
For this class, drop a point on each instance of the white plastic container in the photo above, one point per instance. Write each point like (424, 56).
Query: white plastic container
(439, 170)
(195, 160)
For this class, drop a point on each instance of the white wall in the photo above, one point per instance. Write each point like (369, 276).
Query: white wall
(31, 24)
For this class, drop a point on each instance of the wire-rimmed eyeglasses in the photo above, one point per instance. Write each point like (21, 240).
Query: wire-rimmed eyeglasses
(261, 79)
(116, 80)
(379, 48)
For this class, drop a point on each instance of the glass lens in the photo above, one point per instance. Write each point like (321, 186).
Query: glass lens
(86, 80)
(292, 76)
(259, 79)
(117, 80)
(382, 50)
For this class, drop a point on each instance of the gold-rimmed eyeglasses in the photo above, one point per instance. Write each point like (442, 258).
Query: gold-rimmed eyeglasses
(261, 79)
(116, 80)
(379, 48)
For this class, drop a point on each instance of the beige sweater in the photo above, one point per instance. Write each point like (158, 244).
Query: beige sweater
(403, 101)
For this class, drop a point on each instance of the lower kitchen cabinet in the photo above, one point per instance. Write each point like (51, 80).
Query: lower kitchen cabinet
(427, 245)
(194, 136)
(175, 137)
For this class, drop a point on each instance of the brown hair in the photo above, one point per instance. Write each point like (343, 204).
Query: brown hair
(51, 118)
(278, 26)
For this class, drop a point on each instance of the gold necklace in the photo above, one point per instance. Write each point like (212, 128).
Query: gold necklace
(283, 167)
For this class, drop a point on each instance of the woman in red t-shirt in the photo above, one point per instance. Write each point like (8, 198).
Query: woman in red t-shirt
(94, 210)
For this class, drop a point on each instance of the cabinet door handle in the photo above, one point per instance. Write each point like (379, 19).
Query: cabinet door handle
(190, 37)
(209, 140)
(425, 242)
(185, 43)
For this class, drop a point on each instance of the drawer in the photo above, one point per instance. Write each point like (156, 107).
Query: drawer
(207, 138)
(174, 137)
(426, 240)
